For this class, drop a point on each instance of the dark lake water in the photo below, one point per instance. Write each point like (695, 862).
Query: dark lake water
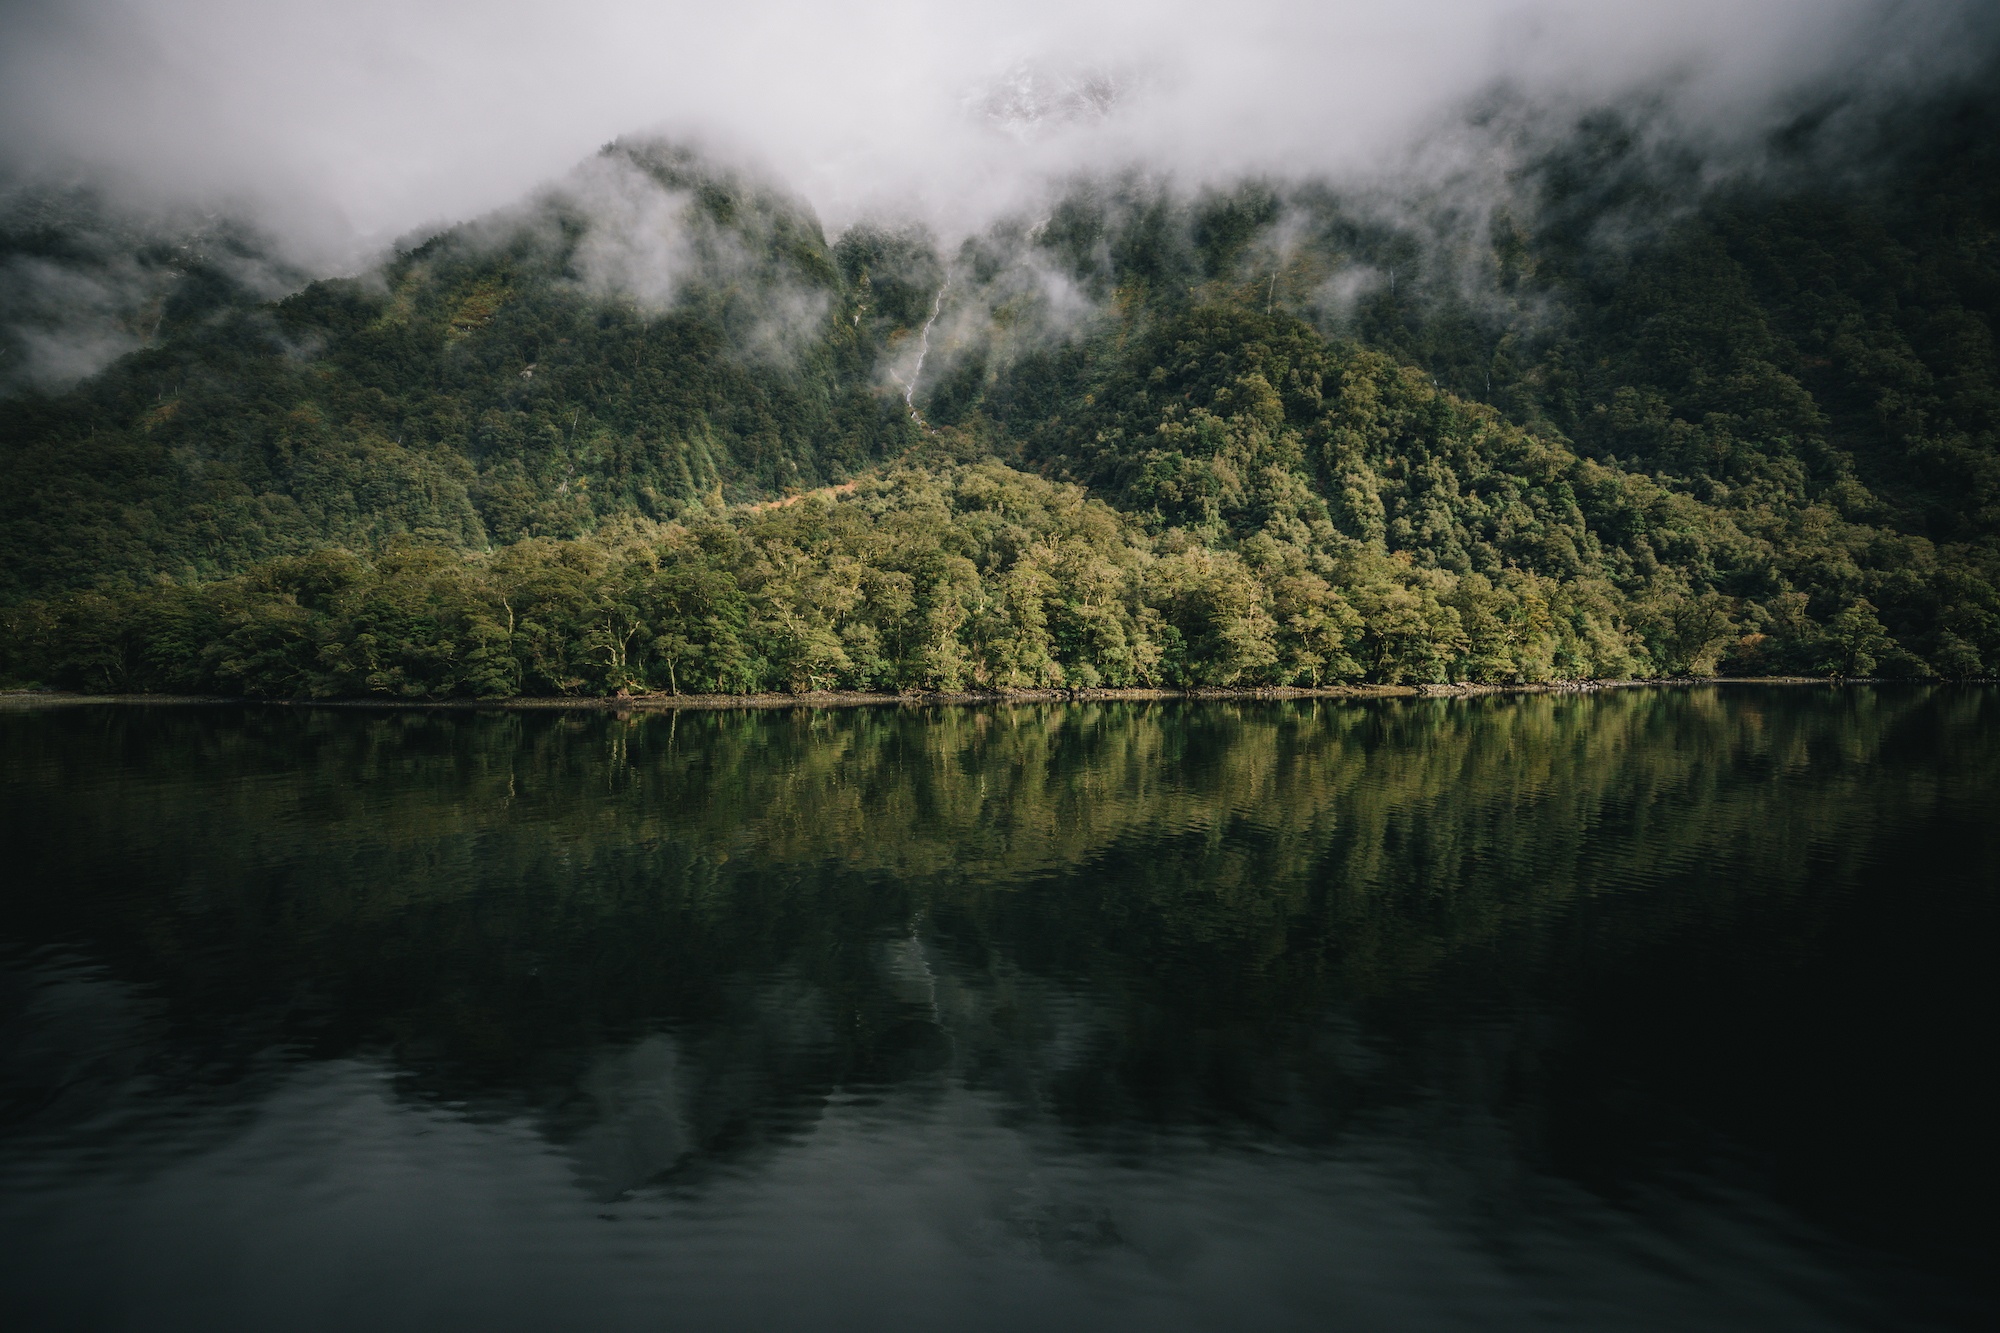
(1650, 1009)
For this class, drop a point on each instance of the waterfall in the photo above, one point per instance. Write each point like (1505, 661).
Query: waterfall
(924, 350)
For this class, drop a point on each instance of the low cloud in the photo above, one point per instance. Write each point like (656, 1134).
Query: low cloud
(645, 234)
(344, 124)
(83, 283)
(63, 323)
(336, 127)
(638, 243)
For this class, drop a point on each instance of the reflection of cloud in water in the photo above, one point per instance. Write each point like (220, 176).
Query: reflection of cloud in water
(340, 1205)
(641, 1131)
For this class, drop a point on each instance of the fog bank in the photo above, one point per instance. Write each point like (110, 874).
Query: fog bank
(344, 125)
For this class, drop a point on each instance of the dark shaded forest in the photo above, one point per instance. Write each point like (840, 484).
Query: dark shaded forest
(647, 432)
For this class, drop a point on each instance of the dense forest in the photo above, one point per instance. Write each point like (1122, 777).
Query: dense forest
(648, 432)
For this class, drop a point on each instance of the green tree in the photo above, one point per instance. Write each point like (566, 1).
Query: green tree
(1855, 640)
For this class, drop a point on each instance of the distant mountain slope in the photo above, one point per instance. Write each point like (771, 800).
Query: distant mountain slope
(1792, 382)
(649, 332)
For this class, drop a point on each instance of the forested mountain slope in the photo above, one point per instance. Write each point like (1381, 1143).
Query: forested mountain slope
(650, 331)
(1221, 438)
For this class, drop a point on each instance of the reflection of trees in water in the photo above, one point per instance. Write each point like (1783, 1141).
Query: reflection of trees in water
(675, 936)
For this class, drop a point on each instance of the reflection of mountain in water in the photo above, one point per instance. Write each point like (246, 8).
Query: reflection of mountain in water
(1604, 940)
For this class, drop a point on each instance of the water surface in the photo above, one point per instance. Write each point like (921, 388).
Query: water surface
(1648, 1009)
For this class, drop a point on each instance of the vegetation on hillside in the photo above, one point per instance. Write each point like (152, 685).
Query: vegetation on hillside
(1757, 436)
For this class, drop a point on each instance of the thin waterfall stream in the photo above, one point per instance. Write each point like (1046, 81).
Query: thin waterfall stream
(924, 350)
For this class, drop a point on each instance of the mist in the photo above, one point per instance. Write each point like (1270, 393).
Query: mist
(341, 127)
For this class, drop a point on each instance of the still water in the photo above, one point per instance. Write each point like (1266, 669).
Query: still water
(1652, 1009)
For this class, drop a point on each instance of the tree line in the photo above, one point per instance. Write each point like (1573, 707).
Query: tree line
(952, 577)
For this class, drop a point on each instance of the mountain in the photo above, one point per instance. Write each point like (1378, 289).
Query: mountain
(528, 375)
(648, 431)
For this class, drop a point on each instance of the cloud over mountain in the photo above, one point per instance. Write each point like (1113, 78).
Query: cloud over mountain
(344, 125)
